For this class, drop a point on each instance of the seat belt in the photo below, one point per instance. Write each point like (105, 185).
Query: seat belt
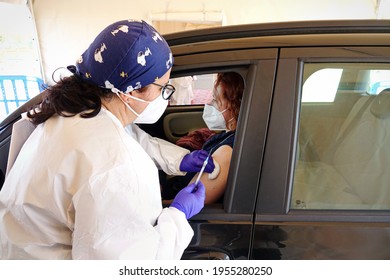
(345, 129)
(353, 120)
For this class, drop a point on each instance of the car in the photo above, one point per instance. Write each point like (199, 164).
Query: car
(308, 177)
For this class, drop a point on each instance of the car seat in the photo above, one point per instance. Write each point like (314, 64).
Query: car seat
(363, 151)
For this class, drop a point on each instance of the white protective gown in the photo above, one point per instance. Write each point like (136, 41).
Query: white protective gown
(165, 155)
(85, 189)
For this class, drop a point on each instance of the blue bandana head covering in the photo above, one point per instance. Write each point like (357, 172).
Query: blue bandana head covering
(126, 55)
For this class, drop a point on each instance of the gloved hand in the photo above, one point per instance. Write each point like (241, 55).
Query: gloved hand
(193, 162)
(190, 200)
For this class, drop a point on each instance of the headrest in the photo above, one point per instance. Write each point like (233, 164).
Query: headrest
(380, 107)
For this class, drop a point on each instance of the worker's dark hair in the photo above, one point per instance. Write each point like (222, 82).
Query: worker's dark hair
(69, 97)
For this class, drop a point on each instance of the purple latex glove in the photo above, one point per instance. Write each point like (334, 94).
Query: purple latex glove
(190, 200)
(193, 162)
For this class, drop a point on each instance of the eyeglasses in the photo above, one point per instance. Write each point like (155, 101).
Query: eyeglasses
(166, 90)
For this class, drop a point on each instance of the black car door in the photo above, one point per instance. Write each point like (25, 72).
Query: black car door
(324, 191)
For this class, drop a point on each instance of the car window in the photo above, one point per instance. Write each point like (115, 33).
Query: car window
(199, 132)
(343, 138)
(192, 90)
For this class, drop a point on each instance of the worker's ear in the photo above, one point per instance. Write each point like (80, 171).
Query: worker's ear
(125, 97)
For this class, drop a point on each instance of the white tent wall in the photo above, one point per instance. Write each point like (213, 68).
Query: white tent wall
(65, 28)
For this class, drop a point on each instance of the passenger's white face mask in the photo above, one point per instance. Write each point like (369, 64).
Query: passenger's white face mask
(153, 111)
(214, 118)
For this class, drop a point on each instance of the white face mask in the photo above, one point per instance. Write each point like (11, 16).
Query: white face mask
(152, 112)
(214, 118)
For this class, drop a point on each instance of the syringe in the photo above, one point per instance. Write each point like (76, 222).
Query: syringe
(202, 169)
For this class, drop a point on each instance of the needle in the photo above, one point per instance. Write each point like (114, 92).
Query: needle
(201, 170)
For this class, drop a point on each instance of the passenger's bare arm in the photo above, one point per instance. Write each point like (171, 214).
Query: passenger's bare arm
(216, 187)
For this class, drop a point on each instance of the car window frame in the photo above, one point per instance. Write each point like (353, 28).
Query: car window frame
(239, 204)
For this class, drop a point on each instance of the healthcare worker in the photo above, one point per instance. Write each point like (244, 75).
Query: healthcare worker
(83, 188)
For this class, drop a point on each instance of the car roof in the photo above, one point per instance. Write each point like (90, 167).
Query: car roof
(282, 34)
(278, 28)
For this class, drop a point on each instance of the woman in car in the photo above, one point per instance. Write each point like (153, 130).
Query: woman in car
(220, 115)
